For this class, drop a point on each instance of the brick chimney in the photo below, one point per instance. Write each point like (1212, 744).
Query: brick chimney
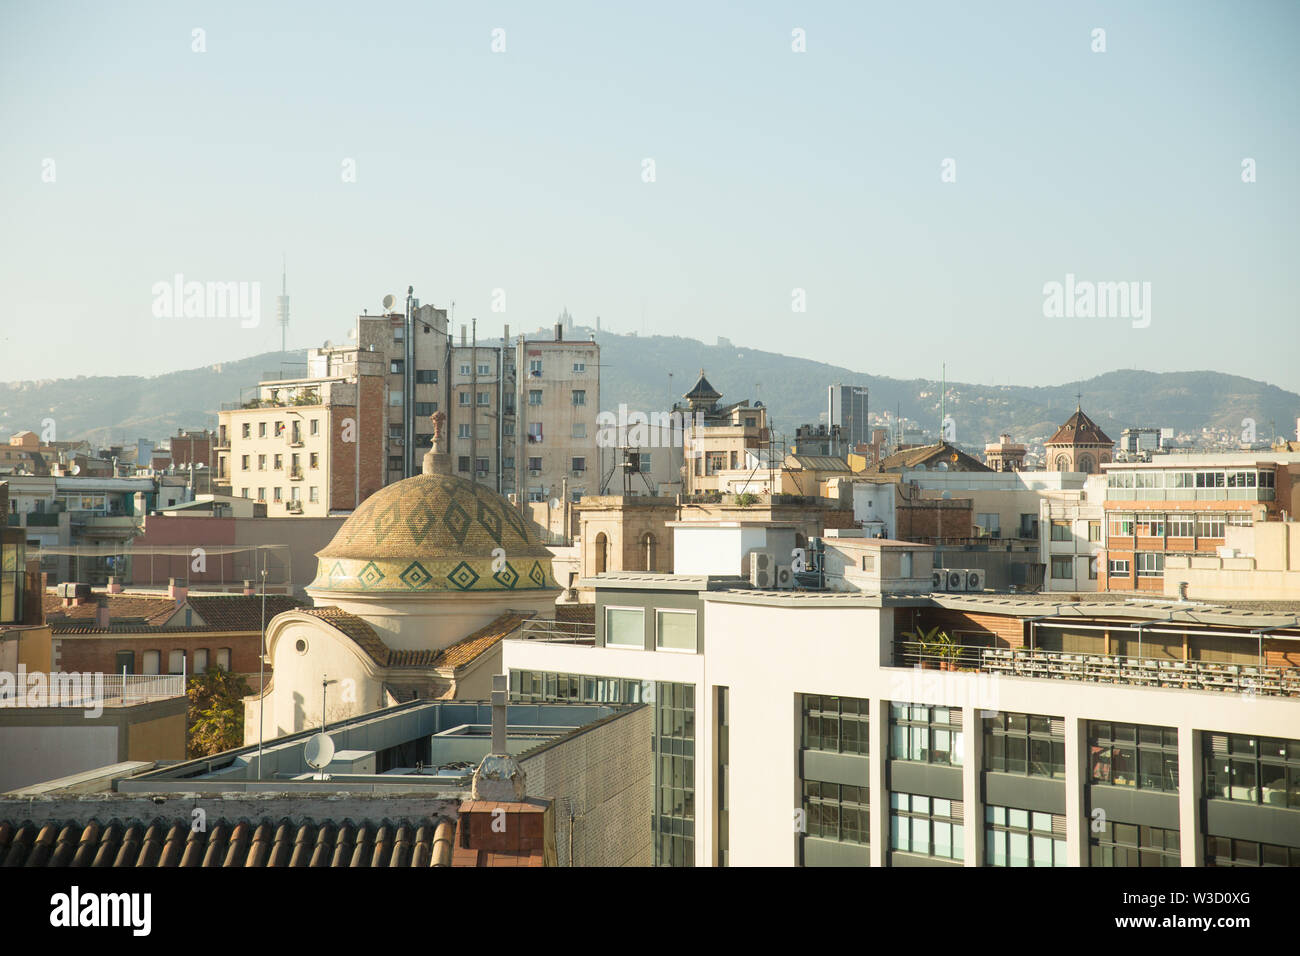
(114, 586)
(176, 590)
(101, 612)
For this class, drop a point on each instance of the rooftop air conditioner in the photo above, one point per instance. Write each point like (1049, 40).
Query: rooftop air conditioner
(938, 577)
(784, 576)
(762, 569)
(975, 579)
(954, 580)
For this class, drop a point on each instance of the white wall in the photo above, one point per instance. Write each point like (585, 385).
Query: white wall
(36, 754)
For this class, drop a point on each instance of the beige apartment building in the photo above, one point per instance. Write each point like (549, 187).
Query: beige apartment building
(548, 445)
(722, 440)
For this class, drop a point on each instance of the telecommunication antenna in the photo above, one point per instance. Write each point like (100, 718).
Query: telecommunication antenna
(282, 303)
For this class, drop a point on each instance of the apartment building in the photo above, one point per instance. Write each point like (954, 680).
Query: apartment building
(549, 445)
(1047, 733)
(718, 438)
(1183, 505)
(1072, 536)
(311, 446)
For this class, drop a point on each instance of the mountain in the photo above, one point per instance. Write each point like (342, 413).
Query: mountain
(635, 370)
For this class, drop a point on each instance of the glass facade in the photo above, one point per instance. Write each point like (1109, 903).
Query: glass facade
(835, 724)
(1127, 844)
(1014, 837)
(674, 777)
(1027, 744)
(926, 826)
(1262, 770)
(1133, 755)
(926, 734)
(1221, 851)
(830, 810)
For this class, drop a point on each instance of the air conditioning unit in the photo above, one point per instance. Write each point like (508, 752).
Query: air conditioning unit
(762, 569)
(975, 579)
(938, 578)
(954, 580)
(784, 576)
(534, 472)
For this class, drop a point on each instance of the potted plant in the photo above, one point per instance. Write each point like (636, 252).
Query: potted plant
(937, 650)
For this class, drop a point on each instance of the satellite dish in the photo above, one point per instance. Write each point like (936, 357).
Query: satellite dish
(76, 469)
(389, 301)
(319, 751)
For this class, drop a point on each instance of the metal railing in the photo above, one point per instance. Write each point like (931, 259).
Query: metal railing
(87, 689)
(556, 632)
(1102, 668)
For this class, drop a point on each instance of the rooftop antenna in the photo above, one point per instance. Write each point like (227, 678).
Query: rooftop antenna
(282, 302)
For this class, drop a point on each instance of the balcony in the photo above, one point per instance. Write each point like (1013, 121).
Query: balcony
(42, 519)
(295, 473)
(1104, 669)
(556, 632)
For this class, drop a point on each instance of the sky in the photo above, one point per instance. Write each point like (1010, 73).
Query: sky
(881, 186)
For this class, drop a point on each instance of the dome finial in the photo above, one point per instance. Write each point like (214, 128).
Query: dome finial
(436, 460)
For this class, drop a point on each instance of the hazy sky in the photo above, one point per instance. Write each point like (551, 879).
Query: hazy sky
(774, 170)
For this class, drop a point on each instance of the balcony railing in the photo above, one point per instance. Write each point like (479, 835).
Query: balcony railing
(88, 690)
(557, 632)
(1100, 668)
(295, 474)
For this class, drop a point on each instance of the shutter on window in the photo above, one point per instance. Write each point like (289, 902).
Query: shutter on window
(1058, 824)
(1058, 726)
(1219, 743)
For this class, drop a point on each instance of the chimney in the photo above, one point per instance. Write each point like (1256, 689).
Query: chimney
(114, 585)
(101, 612)
(500, 687)
(463, 343)
(499, 777)
(249, 590)
(176, 590)
(559, 331)
(505, 338)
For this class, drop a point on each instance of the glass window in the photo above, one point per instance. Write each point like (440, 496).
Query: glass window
(625, 627)
(675, 630)
(1133, 755)
(1025, 744)
(926, 734)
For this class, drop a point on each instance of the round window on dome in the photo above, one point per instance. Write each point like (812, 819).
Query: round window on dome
(300, 646)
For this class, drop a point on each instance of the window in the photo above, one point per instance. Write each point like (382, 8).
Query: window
(534, 396)
(425, 409)
(507, 463)
(1239, 520)
(276, 494)
(399, 333)
(1150, 564)
(1181, 525)
(463, 431)
(1210, 524)
(1117, 569)
(925, 734)
(243, 461)
(1133, 755)
(579, 396)
(152, 662)
(279, 463)
(835, 724)
(462, 463)
(313, 494)
(484, 369)
(1151, 526)
(176, 662)
(223, 658)
(1025, 744)
(462, 399)
(580, 366)
(1061, 531)
(624, 627)
(535, 432)
(1062, 569)
(926, 825)
(245, 491)
(395, 399)
(295, 493)
(395, 463)
(675, 630)
(535, 367)
(261, 429)
(580, 464)
(1028, 525)
(1261, 770)
(426, 376)
(1094, 531)
(1127, 844)
(989, 524)
(579, 429)
(314, 427)
(261, 463)
(201, 660)
(833, 811)
(534, 464)
(484, 399)
(1221, 851)
(643, 462)
(1023, 837)
(124, 662)
(313, 459)
(396, 366)
(261, 494)
(1121, 525)
(481, 466)
(673, 748)
(245, 430)
(1092, 568)
(464, 370)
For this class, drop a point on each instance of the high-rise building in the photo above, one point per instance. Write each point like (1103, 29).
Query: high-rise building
(848, 409)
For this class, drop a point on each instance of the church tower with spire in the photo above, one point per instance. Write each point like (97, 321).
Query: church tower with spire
(1079, 445)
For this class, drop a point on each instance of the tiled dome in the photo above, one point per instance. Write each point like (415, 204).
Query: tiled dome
(434, 532)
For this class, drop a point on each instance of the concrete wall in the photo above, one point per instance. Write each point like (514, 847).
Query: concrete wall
(601, 783)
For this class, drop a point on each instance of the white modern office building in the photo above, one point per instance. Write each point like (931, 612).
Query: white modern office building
(793, 727)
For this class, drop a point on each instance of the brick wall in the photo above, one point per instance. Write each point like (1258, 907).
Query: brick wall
(97, 653)
(603, 777)
(1008, 631)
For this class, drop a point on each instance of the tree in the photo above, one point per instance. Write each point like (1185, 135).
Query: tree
(216, 712)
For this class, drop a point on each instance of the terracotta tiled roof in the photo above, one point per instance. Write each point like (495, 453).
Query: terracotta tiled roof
(238, 612)
(466, 650)
(703, 389)
(353, 627)
(121, 607)
(931, 454)
(1079, 430)
(225, 843)
(578, 613)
